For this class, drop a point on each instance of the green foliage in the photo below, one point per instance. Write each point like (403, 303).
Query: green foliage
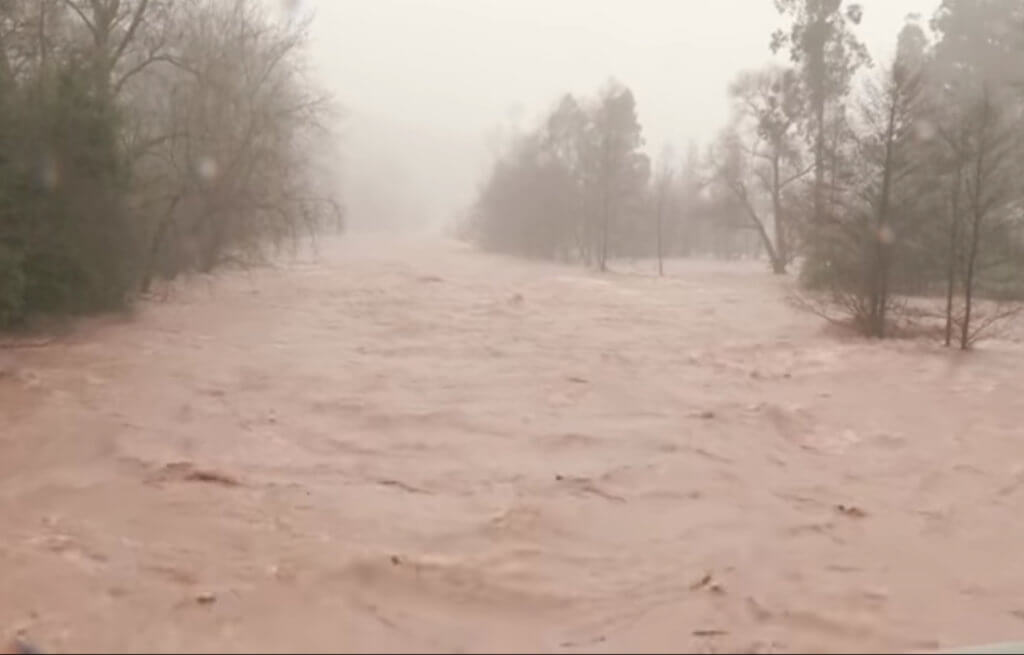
(69, 244)
(119, 162)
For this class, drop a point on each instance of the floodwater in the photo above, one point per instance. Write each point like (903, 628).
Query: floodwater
(398, 445)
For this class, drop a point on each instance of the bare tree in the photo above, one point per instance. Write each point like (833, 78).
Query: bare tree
(889, 112)
(230, 149)
(127, 36)
(867, 234)
(735, 169)
(767, 107)
(956, 160)
(977, 115)
(988, 188)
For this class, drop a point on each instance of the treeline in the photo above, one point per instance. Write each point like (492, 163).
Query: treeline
(579, 187)
(142, 139)
(912, 177)
(877, 180)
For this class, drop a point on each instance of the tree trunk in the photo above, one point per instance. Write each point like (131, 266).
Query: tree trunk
(882, 290)
(154, 250)
(157, 243)
(819, 164)
(882, 235)
(661, 212)
(605, 218)
(954, 235)
(778, 265)
(972, 253)
(781, 247)
(661, 265)
(965, 329)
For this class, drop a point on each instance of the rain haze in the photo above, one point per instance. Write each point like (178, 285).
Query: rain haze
(433, 87)
(558, 326)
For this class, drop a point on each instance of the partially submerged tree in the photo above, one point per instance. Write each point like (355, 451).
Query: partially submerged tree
(856, 248)
(926, 198)
(760, 156)
(732, 171)
(987, 202)
(889, 111)
(977, 115)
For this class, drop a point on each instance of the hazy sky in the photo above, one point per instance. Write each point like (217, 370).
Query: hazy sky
(427, 83)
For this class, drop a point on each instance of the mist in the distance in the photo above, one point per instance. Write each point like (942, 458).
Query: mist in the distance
(430, 88)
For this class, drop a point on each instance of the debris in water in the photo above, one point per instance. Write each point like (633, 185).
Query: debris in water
(398, 484)
(587, 485)
(215, 477)
(759, 612)
(581, 644)
(851, 510)
(206, 598)
(708, 582)
(703, 582)
(187, 472)
(709, 633)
